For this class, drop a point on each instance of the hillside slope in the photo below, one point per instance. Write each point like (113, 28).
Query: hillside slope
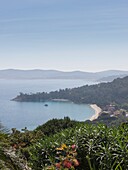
(101, 94)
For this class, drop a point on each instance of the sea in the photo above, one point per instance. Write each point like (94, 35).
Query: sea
(32, 114)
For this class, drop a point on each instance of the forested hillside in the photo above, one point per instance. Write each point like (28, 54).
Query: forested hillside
(101, 94)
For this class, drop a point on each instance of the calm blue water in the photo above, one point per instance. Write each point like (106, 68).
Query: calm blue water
(20, 115)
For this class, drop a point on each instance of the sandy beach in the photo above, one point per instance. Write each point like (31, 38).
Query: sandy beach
(97, 111)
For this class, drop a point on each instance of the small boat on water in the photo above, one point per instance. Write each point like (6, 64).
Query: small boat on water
(46, 105)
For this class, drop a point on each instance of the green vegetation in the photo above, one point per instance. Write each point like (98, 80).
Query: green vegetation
(98, 147)
(9, 160)
(56, 125)
(70, 145)
(5, 161)
(100, 94)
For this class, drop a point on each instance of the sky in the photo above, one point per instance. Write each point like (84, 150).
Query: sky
(67, 35)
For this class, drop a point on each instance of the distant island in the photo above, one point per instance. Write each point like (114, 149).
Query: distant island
(108, 75)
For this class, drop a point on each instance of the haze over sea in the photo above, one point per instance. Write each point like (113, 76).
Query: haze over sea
(30, 114)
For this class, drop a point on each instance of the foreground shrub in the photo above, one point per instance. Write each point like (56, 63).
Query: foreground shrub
(98, 148)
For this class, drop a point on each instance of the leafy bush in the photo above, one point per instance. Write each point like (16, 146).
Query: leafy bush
(56, 125)
(98, 147)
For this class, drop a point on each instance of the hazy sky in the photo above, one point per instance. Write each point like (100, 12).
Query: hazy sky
(88, 35)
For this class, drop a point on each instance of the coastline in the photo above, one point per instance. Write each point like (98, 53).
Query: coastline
(97, 111)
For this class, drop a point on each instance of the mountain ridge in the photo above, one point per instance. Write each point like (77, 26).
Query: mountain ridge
(56, 74)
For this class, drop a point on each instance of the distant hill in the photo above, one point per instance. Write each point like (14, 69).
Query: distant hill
(100, 94)
(111, 78)
(55, 74)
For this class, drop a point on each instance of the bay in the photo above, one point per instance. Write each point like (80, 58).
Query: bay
(31, 114)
